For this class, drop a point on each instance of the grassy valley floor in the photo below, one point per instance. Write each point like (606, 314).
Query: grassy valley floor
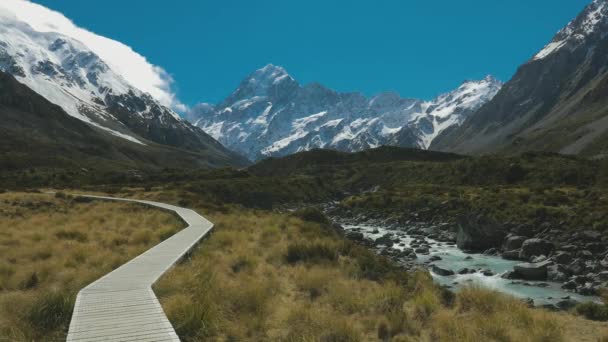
(292, 277)
(52, 246)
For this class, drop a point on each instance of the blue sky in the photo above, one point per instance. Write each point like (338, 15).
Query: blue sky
(417, 48)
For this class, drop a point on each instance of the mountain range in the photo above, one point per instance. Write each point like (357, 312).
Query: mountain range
(557, 101)
(271, 114)
(68, 73)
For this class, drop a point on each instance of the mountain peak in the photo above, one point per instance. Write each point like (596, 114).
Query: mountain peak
(268, 75)
(268, 81)
(578, 31)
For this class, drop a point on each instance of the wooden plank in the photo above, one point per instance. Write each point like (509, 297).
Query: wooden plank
(121, 305)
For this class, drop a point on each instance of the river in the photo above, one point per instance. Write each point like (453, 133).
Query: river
(452, 258)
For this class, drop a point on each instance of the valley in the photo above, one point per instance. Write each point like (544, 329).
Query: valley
(306, 211)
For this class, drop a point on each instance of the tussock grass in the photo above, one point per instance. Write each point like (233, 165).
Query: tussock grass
(52, 246)
(266, 276)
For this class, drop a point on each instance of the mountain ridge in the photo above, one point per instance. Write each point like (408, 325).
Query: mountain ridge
(271, 114)
(67, 73)
(556, 101)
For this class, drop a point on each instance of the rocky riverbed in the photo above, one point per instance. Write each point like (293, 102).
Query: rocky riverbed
(555, 273)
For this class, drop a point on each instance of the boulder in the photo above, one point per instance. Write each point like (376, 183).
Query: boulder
(524, 230)
(385, 240)
(569, 285)
(488, 273)
(435, 258)
(422, 250)
(464, 271)
(603, 276)
(591, 235)
(595, 247)
(535, 246)
(557, 273)
(562, 257)
(513, 242)
(566, 304)
(511, 255)
(355, 236)
(442, 271)
(491, 251)
(477, 233)
(532, 271)
(538, 258)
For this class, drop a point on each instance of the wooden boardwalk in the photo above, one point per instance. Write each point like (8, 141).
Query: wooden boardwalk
(121, 305)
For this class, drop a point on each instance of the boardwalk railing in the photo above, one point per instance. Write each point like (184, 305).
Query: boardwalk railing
(121, 305)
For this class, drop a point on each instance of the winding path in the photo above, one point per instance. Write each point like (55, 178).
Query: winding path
(121, 305)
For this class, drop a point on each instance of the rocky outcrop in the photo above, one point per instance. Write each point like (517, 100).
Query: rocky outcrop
(477, 233)
(513, 242)
(531, 271)
(535, 247)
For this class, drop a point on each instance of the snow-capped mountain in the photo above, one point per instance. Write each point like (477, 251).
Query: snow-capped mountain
(38, 47)
(556, 101)
(271, 114)
(590, 21)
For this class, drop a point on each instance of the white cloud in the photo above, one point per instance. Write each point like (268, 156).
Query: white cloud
(133, 67)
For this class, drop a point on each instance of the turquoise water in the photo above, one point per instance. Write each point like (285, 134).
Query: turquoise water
(454, 259)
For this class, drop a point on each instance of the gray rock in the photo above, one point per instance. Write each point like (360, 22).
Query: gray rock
(595, 247)
(569, 285)
(557, 273)
(535, 246)
(590, 235)
(422, 250)
(511, 255)
(491, 251)
(562, 257)
(513, 242)
(532, 271)
(566, 304)
(603, 276)
(464, 271)
(442, 271)
(477, 233)
(538, 258)
(354, 236)
(488, 273)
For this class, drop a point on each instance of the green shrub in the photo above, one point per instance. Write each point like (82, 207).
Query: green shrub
(310, 252)
(593, 311)
(51, 310)
(311, 214)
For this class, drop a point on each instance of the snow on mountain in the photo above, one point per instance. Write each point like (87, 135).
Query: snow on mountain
(576, 32)
(271, 114)
(452, 108)
(93, 78)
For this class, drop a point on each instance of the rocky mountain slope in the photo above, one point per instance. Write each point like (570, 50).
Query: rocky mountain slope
(37, 134)
(556, 101)
(271, 114)
(68, 73)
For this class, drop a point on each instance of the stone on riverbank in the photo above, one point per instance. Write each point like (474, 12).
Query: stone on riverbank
(477, 233)
(535, 246)
(442, 271)
(531, 271)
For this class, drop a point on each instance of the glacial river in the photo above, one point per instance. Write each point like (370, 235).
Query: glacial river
(454, 259)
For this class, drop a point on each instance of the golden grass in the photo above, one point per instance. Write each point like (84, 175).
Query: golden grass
(51, 247)
(243, 284)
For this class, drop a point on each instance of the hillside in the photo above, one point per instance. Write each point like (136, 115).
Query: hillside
(556, 101)
(37, 134)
